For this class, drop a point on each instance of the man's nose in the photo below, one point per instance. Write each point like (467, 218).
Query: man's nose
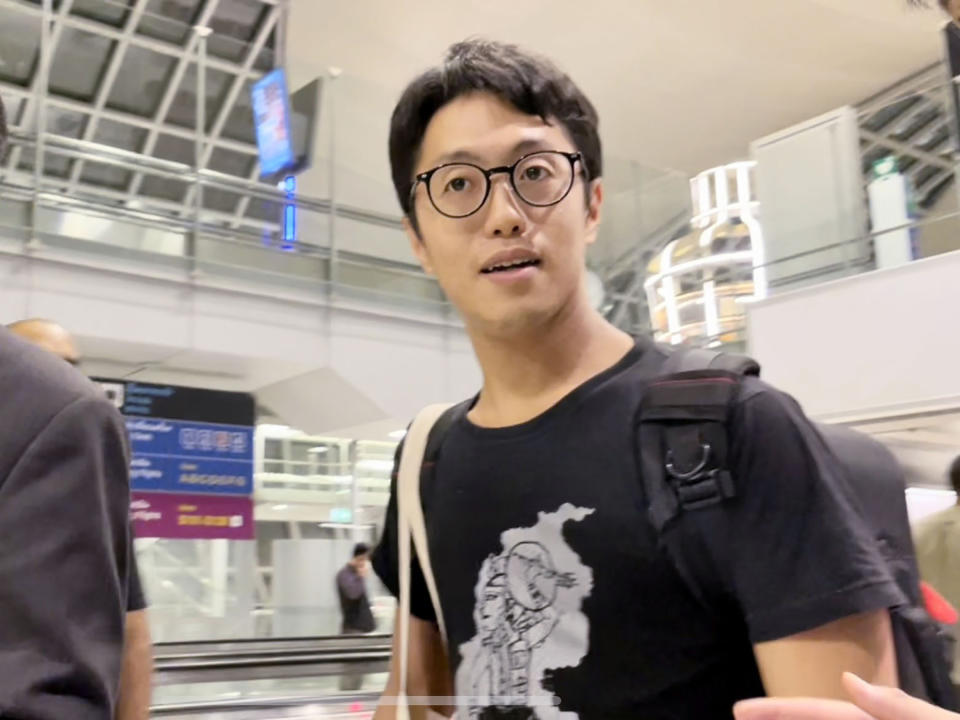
(505, 217)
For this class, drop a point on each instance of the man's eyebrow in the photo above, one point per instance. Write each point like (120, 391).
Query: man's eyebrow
(524, 146)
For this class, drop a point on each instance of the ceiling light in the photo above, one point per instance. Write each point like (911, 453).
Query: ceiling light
(398, 434)
(280, 507)
(319, 449)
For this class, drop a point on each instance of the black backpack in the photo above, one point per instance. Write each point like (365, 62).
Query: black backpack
(683, 443)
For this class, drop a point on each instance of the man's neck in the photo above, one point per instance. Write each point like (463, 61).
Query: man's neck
(527, 373)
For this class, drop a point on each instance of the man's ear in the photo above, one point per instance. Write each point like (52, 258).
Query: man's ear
(594, 206)
(417, 245)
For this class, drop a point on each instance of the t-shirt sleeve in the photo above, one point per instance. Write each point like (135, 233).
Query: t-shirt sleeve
(385, 558)
(136, 599)
(791, 547)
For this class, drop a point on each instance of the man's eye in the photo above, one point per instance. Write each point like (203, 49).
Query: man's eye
(457, 185)
(534, 173)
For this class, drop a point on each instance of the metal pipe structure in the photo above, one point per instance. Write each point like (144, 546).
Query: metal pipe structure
(202, 33)
(333, 73)
(43, 88)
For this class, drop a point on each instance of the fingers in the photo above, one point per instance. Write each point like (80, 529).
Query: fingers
(890, 703)
(797, 709)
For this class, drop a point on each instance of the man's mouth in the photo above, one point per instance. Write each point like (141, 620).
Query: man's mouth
(512, 265)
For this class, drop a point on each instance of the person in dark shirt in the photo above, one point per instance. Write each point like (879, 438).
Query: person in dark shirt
(357, 617)
(133, 702)
(555, 591)
(352, 590)
(64, 537)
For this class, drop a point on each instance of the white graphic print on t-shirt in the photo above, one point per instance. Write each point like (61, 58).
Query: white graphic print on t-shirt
(528, 619)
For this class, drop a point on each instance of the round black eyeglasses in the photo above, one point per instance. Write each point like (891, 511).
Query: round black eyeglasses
(540, 179)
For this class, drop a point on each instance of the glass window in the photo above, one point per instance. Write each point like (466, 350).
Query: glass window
(183, 111)
(105, 175)
(169, 21)
(20, 40)
(235, 23)
(65, 122)
(173, 148)
(239, 125)
(220, 200)
(177, 149)
(141, 81)
(53, 165)
(231, 163)
(119, 135)
(78, 63)
(111, 12)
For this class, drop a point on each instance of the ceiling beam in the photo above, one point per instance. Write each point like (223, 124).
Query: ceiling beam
(106, 81)
(207, 9)
(33, 92)
(263, 34)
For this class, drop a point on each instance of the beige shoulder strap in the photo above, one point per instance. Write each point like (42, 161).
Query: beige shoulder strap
(410, 525)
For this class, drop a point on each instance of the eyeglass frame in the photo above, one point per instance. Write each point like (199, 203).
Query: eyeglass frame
(427, 175)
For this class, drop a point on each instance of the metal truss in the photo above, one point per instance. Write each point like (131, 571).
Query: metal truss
(150, 126)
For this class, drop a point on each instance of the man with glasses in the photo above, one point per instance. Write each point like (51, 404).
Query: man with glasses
(133, 702)
(554, 590)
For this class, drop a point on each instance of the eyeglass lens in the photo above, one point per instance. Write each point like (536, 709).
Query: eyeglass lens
(540, 179)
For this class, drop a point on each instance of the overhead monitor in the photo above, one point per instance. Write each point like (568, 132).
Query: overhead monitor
(271, 117)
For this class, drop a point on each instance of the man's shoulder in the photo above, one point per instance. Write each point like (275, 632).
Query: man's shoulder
(35, 386)
(935, 522)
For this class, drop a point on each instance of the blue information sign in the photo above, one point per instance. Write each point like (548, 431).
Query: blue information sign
(189, 457)
(187, 440)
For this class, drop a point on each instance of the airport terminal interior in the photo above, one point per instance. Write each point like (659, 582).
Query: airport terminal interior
(200, 192)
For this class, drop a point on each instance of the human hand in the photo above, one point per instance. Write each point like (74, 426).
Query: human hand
(870, 702)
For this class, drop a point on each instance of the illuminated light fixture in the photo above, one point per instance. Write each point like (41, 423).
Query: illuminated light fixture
(731, 258)
(717, 265)
(318, 450)
(398, 435)
(756, 232)
(710, 308)
(280, 507)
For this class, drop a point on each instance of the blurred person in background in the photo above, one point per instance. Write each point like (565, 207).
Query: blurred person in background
(64, 537)
(554, 590)
(357, 617)
(135, 681)
(937, 539)
(352, 590)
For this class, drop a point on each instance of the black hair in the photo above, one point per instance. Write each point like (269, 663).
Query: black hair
(3, 128)
(954, 474)
(532, 84)
(945, 4)
(361, 549)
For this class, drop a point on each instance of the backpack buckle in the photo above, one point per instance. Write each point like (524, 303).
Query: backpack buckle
(699, 487)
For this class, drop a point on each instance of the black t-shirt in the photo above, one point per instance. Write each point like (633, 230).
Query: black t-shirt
(554, 588)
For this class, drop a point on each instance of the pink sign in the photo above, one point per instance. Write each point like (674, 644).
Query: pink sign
(191, 517)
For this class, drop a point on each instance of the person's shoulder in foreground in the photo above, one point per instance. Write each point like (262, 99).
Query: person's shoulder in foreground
(64, 558)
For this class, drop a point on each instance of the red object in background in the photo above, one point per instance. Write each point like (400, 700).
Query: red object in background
(938, 606)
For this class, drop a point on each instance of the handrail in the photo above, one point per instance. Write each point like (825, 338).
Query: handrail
(273, 703)
(135, 162)
(280, 660)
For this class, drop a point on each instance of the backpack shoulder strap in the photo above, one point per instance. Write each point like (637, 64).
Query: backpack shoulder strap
(683, 446)
(421, 448)
(410, 526)
(690, 359)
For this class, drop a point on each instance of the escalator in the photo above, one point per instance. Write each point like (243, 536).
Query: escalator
(334, 676)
